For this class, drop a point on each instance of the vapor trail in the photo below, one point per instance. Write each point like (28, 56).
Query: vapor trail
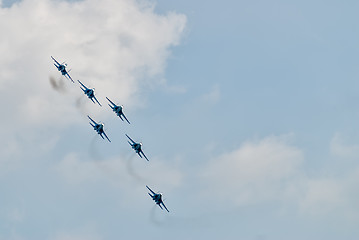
(131, 171)
(94, 153)
(153, 218)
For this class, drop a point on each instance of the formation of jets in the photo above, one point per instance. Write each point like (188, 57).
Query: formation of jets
(99, 127)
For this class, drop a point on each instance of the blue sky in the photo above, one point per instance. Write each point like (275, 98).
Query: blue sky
(248, 113)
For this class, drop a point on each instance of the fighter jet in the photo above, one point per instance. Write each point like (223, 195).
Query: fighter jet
(118, 110)
(136, 147)
(98, 128)
(62, 68)
(157, 197)
(90, 92)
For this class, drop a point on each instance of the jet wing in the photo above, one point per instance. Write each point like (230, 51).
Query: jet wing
(55, 61)
(70, 77)
(106, 136)
(82, 84)
(125, 118)
(150, 190)
(97, 101)
(165, 206)
(91, 119)
(133, 142)
(144, 155)
(111, 102)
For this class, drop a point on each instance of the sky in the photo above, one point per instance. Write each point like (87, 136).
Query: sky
(247, 111)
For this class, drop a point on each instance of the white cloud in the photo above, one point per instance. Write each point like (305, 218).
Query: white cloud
(118, 47)
(334, 196)
(76, 171)
(213, 96)
(272, 170)
(322, 196)
(255, 172)
(340, 148)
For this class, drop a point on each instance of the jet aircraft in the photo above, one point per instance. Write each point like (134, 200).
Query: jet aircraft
(157, 197)
(62, 68)
(90, 92)
(118, 110)
(137, 147)
(98, 128)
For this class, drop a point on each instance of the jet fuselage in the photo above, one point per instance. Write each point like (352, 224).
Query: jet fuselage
(117, 110)
(89, 92)
(137, 147)
(157, 198)
(99, 128)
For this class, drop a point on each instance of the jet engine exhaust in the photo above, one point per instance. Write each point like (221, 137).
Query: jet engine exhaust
(80, 104)
(58, 84)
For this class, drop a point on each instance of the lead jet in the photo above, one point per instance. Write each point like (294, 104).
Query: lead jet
(90, 92)
(118, 110)
(157, 197)
(62, 68)
(137, 147)
(98, 128)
